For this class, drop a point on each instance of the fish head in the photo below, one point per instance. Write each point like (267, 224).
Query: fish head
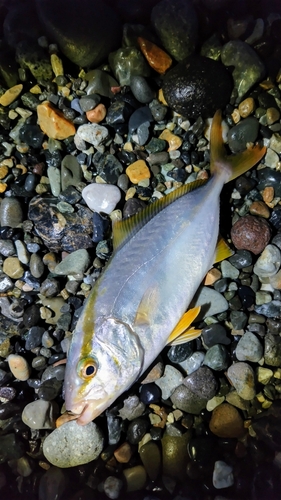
(100, 369)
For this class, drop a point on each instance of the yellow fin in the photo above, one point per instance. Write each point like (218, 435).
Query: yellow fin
(187, 336)
(182, 327)
(233, 165)
(125, 229)
(223, 251)
(147, 306)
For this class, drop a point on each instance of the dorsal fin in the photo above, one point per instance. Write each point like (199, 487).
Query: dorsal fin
(125, 229)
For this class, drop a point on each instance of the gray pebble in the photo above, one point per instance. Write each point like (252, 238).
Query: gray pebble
(171, 379)
(75, 263)
(242, 133)
(36, 266)
(141, 89)
(228, 270)
(272, 350)
(7, 248)
(241, 259)
(50, 287)
(193, 362)
(73, 444)
(238, 319)
(10, 212)
(249, 348)
(55, 180)
(132, 408)
(211, 302)
(54, 372)
(6, 283)
(184, 399)
(242, 377)
(40, 414)
(88, 102)
(217, 358)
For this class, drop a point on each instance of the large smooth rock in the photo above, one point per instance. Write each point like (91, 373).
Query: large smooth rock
(85, 31)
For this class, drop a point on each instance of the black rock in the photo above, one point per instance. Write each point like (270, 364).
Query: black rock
(215, 334)
(10, 448)
(150, 393)
(132, 207)
(241, 259)
(34, 337)
(108, 167)
(31, 316)
(139, 117)
(100, 227)
(136, 430)
(275, 218)
(31, 135)
(197, 86)
(270, 177)
(244, 132)
(179, 353)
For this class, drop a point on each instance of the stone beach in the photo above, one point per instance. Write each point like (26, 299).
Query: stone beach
(105, 107)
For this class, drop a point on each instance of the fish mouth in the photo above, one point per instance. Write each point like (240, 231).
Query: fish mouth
(90, 411)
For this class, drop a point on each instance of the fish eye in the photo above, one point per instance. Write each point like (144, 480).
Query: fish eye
(87, 368)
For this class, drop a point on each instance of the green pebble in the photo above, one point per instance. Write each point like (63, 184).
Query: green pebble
(150, 456)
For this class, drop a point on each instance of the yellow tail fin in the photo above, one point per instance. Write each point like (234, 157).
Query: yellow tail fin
(232, 165)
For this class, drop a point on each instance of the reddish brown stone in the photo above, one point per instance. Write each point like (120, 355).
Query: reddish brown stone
(159, 60)
(251, 233)
(226, 422)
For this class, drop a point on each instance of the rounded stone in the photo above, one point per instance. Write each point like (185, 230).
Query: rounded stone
(217, 358)
(171, 379)
(141, 90)
(249, 348)
(19, 367)
(74, 263)
(36, 266)
(268, 264)
(226, 422)
(101, 197)
(242, 377)
(197, 86)
(10, 212)
(13, 268)
(72, 444)
(251, 233)
(244, 132)
(40, 414)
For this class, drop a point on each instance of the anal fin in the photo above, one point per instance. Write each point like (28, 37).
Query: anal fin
(223, 251)
(182, 332)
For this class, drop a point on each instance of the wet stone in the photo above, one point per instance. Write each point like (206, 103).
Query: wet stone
(170, 380)
(73, 444)
(136, 430)
(268, 264)
(135, 478)
(52, 484)
(75, 263)
(244, 132)
(19, 366)
(212, 302)
(251, 233)
(195, 391)
(158, 110)
(126, 63)
(150, 393)
(238, 319)
(228, 270)
(36, 266)
(89, 102)
(179, 353)
(141, 89)
(249, 348)
(226, 422)
(11, 448)
(112, 487)
(91, 133)
(53, 123)
(241, 375)
(31, 135)
(272, 350)
(139, 117)
(7, 248)
(150, 456)
(241, 259)
(31, 316)
(193, 362)
(49, 389)
(270, 310)
(40, 414)
(34, 337)
(222, 475)
(217, 358)
(215, 334)
(10, 212)
(175, 455)
(70, 194)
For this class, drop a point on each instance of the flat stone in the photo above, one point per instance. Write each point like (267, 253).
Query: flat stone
(222, 475)
(11, 213)
(217, 358)
(53, 123)
(101, 197)
(228, 270)
(242, 377)
(171, 379)
(19, 367)
(75, 263)
(249, 348)
(11, 95)
(173, 140)
(128, 62)
(135, 478)
(193, 362)
(13, 268)
(40, 414)
(211, 302)
(72, 444)
(157, 58)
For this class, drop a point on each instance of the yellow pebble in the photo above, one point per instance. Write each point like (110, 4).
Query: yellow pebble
(3, 171)
(3, 187)
(19, 367)
(235, 115)
(268, 194)
(53, 123)
(57, 65)
(173, 140)
(161, 97)
(13, 268)
(246, 107)
(11, 95)
(138, 171)
(35, 90)
(130, 193)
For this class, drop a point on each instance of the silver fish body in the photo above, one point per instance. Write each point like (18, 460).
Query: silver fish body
(142, 294)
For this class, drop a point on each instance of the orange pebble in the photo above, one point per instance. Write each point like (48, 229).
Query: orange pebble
(53, 123)
(159, 60)
(97, 114)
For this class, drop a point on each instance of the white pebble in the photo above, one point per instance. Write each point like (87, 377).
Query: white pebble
(268, 263)
(19, 367)
(92, 133)
(101, 197)
(222, 475)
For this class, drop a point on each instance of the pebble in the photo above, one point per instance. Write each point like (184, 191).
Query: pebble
(40, 414)
(89, 102)
(72, 444)
(124, 453)
(197, 86)
(264, 375)
(214, 334)
(13, 268)
(171, 379)
(138, 171)
(180, 19)
(251, 233)
(268, 264)
(196, 390)
(248, 67)
(157, 58)
(52, 484)
(193, 362)
(53, 123)
(249, 348)
(54, 176)
(92, 133)
(272, 349)
(75, 263)
(217, 358)
(246, 107)
(175, 455)
(101, 197)
(135, 478)
(23, 254)
(259, 208)
(128, 62)
(178, 353)
(112, 487)
(173, 140)
(7, 248)
(150, 456)
(211, 302)
(226, 422)
(228, 270)
(36, 265)
(222, 475)
(11, 95)
(11, 214)
(136, 430)
(243, 133)
(19, 367)
(241, 375)
(141, 89)
(97, 114)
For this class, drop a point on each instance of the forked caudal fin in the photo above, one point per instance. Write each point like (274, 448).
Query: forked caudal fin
(232, 165)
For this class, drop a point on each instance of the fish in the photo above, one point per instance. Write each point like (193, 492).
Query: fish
(140, 302)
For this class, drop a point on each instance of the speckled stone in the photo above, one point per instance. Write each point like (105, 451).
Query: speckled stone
(268, 264)
(272, 349)
(91, 133)
(251, 233)
(11, 214)
(217, 358)
(242, 377)
(249, 348)
(19, 367)
(72, 444)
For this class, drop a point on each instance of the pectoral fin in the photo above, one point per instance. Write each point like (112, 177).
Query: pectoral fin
(182, 333)
(147, 307)
(223, 251)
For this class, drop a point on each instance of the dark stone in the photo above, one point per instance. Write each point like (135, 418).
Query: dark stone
(197, 86)
(246, 295)
(108, 167)
(8, 68)
(150, 393)
(132, 207)
(266, 483)
(136, 430)
(30, 182)
(215, 334)
(178, 174)
(49, 389)
(101, 225)
(141, 89)
(32, 135)
(202, 450)
(270, 177)
(241, 259)
(31, 316)
(8, 393)
(70, 231)
(10, 448)
(244, 132)
(34, 337)
(275, 218)
(85, 35)
(31, 56)
(179, 353)
(118, 113)
(20, 23)
(139, 117)
(202, 383)
(70, 195)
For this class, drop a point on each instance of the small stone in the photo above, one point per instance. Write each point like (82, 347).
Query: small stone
(175, 454)
(36, 266)
(101, 197)
(11, 213)
(171, 379)
(217, 358)
(212, 302)
(268, 194)
(128, 62)
(71, 173)
(228, 270)
(135, 478)
(92, 133)
(275, 280)
(246, 107)
(272, 115)
(268, 264)
(138, 171)
(123, 453)
(159, 60)
(241, 375)
(150, 456)
(53, 123)
(141, 89)
(40, 414)
(249, 348)
(154, 373)
(3, 171)
(72, 444)
(193, 362)
(272, 349)
(11, 95)
(251, 233)
(89, 102)
(19, 367)
(13, 268)
(173, 140)
(241, 134)
(234, 399)
(75, 263)
(264, 375)
(112, 487)
(271, 159)
(136, 430)
(214, 334)
(97, 114)
(212, 276)
(226, 422)
(259, 208)
(132, 409)
(222, 475)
